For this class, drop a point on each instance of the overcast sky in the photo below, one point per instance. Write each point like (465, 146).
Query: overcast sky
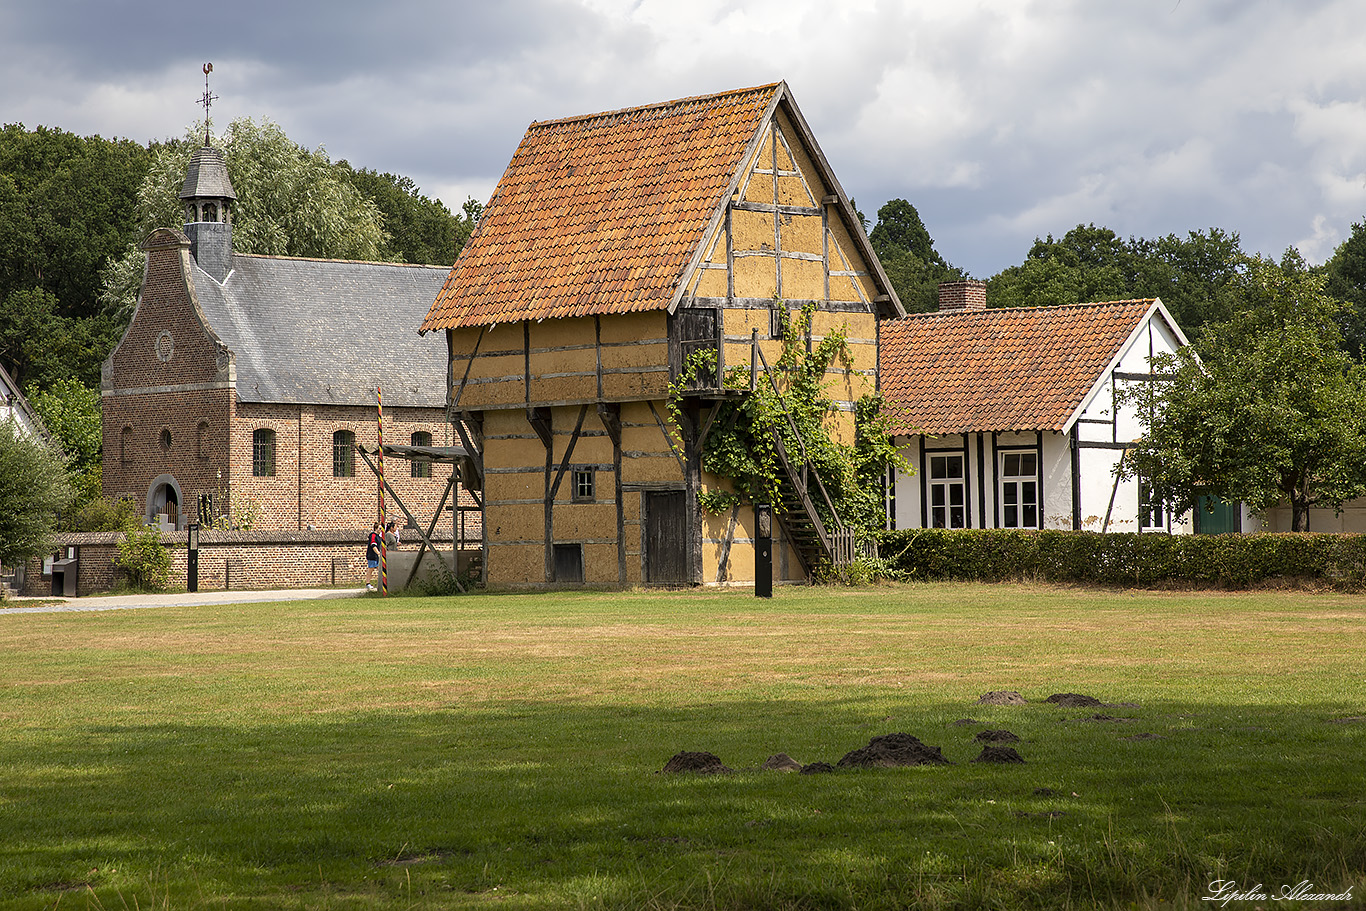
(1000, 121)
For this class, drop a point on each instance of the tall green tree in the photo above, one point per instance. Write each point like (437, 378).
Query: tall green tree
(420, 230)
(71, 411)
(1089, 263)
(67, 204)
(290, 202)
(1274, 412)
(906, 251)
(1346, 274)
(34, 488)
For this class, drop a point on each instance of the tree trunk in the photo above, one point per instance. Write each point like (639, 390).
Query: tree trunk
(1299, 514)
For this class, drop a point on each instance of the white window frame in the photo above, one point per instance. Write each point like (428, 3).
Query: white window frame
(1022, 487)
(944, 487)
(1152, 516)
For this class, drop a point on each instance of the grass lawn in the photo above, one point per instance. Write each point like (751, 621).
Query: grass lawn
(504, 751)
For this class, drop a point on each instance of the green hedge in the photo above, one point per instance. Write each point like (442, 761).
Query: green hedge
(1231, 561)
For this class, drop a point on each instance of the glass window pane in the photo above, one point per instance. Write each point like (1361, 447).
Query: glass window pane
(1012, 465)
(1029, 463)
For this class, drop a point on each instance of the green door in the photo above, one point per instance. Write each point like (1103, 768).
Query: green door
(1216, 517)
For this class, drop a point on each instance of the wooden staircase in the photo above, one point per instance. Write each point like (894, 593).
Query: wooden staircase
(799, 490)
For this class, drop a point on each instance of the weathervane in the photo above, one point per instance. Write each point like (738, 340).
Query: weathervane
(207, 100)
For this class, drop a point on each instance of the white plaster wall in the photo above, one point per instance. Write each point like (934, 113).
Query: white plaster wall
(1352, 519)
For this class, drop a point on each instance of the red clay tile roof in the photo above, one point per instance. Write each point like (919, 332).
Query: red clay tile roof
(601, 213)
(984, 370)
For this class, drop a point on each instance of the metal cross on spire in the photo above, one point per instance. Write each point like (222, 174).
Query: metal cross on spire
(208, 100)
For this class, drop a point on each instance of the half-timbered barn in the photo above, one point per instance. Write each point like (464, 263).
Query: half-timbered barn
(616, 246)
(1016, 418)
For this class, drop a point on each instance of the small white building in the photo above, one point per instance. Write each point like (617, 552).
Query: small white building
(1014, 418)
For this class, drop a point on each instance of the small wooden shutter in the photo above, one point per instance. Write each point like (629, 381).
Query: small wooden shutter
(696, 330)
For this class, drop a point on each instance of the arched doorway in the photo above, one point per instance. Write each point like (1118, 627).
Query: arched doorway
(163, 500)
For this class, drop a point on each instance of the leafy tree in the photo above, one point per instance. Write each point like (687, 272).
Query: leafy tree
(1193, 275)
(40, 346)
(421, 230)
(290, 202)
(1273, 413)
(907, 253)
(67, 203)
(72, 412)
(144, 559)
(34, 488)
(1087, 264)
(66, 207)
(1091, 263)
(1346, 273)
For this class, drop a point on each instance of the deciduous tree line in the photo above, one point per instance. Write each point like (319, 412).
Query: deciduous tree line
(1267, 405)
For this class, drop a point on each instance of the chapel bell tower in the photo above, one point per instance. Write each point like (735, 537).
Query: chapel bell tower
(208, 199)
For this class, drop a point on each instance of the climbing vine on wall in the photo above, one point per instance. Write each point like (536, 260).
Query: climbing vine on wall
(740, 445)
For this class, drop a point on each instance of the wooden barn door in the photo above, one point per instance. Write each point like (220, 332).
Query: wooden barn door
(665, 542)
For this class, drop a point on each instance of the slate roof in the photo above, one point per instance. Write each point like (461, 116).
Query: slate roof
(207, 176)
(999, 370)
(602, 213)
(327, 331)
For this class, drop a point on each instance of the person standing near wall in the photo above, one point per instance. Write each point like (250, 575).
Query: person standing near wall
(372, 557)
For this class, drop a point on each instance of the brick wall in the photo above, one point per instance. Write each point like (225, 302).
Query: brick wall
(170, 416)
(237, 560)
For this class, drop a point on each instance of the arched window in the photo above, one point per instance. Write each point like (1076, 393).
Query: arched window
(210, 212)
(343, 454)
(190, 214)
(421, 469)
(263, 453)
(125, 447)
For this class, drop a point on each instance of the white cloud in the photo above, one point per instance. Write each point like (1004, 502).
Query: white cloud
(999, 119)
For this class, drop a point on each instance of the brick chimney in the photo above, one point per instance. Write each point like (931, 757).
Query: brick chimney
(965, 295)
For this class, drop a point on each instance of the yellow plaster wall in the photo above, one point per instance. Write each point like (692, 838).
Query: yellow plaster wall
(710, 283)
(801, 233)
(631, 327)
(756, 276)
(751, 230)
(803, 280)
(516, 564)
(800, 160)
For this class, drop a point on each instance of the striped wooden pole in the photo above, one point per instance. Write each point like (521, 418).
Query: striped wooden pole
(383, 528)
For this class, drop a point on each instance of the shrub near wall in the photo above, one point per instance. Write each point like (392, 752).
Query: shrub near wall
(1230, 561)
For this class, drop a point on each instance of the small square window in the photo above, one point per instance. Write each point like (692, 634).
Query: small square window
(584, 491)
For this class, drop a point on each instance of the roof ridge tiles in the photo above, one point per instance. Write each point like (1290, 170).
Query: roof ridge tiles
(656, 106)
(1027, 309)
(349, 262)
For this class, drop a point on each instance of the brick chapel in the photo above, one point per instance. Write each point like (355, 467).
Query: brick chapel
(244, 383)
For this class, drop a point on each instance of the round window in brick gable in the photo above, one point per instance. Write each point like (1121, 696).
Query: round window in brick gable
(165, 438)
(165, 345)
